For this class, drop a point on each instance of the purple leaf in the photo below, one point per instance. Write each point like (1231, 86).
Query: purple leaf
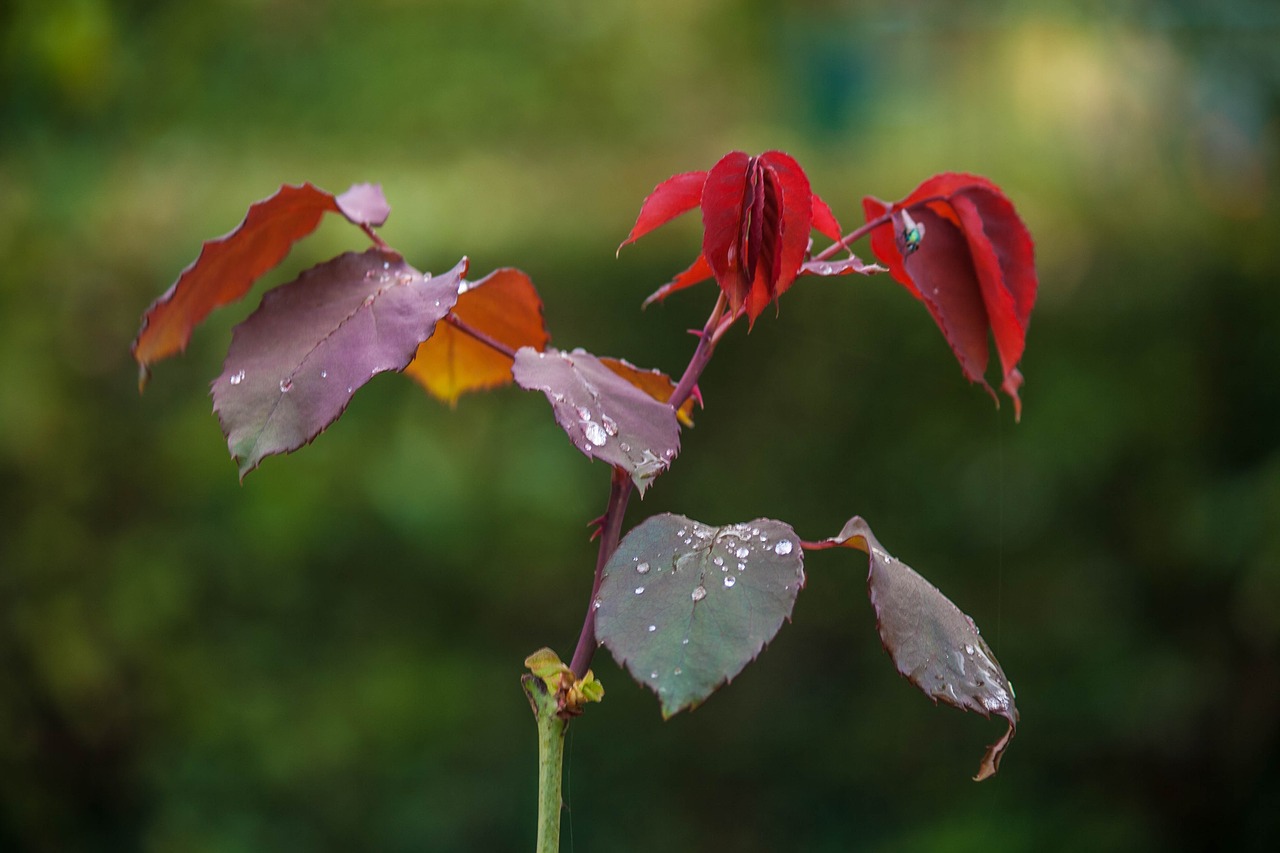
(604, 415)
(844, 266)
(295, 362)
(364, 204)
(932, 642)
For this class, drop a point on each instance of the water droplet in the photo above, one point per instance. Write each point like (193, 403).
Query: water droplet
(236, 378)
(741, 566)
(584, 414)
(595, 605)
(626, 448)
(348, 389)
(595, 433)
(642, 568)
(386, 265)
(685, 641)
(653, 674)
(609, 424)
(324, 374)
(742, 553)
(968, 648)
(718, 560)
(755, 531)
(783, 548)
(699, 593)
(639, 590)
(679, 671)
(286, 385)
(652, 628)
(730, 580)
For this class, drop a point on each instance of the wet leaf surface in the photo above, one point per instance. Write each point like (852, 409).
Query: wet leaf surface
(655, 383)
(604, 415)
(294, 364)
(685, 606)
(931, 641)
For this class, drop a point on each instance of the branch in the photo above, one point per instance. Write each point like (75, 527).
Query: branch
(610, 534)
(863, 230)
(491, 342)
(717, 324)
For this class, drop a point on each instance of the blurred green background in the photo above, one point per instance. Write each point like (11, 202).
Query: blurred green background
(326, 658)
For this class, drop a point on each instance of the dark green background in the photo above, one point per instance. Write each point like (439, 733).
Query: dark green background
(326, 658)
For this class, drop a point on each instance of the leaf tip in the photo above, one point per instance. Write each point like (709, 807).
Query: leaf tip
(991, 759)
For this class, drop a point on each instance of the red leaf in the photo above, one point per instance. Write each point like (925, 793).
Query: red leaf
(295, 362)
(671, 198)
(228, 266)
(824, 221)
(756, 216)
(723, 198)
(960, 247)
(795, 220)
(503, 305)
(698, 272)
(932, 642)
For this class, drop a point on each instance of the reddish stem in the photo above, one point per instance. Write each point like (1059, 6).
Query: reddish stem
(610, 533)
(373, 235)
(863, 230)
(717, 324)
(492, 343)
(620, 487)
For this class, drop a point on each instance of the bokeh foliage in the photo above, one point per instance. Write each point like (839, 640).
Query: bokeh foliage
(328, 657)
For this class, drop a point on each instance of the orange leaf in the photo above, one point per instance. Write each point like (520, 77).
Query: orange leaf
(229, 265)
(503, 305)
(654, 382)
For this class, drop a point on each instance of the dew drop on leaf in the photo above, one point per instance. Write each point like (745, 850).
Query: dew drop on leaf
(595, 433)
(730, 580)
(652, 628)
(642, 568)
(742, 553)
(639, 590)
(699, 593)
(286, 385)
(236, 378)
(783, 547)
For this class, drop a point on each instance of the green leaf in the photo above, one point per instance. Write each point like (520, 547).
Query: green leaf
(684, 606)
(934, 644)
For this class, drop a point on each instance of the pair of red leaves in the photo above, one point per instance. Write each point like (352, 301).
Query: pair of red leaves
(956, 243)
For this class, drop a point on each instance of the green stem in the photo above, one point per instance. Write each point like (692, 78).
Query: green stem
(551, 729)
